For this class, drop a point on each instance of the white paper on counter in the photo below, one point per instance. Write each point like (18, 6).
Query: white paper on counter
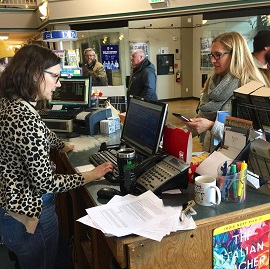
(210, 165)
(84, 168)
(144, 215)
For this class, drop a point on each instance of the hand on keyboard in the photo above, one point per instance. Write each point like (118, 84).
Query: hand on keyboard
(103, 169)
(99, 171)
(105, 156)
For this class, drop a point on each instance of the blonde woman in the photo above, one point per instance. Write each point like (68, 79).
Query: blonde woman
(233, 67)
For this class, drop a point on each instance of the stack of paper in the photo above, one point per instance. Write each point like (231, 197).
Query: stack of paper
(143, 215)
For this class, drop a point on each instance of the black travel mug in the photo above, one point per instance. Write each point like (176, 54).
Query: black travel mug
(126, 161)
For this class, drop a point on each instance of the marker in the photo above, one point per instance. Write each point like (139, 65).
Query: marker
(221, 185)
(238, 165)
(241, 180)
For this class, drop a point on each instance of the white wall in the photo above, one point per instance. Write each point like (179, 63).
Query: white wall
(24, 20)
(160, 36)
(81, 8)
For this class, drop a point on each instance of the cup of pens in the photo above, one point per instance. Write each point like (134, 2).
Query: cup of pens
(232, 181)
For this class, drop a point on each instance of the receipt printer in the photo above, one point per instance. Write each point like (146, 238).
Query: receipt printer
(87, 121)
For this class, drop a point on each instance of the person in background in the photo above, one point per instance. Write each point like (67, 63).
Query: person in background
(5, 55)
(28, 182)
(94, 68)
(142, 81)
(261, 53)
(233, 67)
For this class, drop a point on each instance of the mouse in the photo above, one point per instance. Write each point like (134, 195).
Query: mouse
(107, 193)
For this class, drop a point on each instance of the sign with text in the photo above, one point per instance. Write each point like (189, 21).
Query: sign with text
(242, 245)
(110, 57)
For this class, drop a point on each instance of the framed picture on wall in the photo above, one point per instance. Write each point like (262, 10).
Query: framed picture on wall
(205, 50)
(139, 45)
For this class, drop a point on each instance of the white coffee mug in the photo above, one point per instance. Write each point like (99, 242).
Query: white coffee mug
(206, 191)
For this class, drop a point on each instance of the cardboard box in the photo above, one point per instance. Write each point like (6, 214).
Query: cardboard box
(116, 122)
(260, 99)
(243, 93)
(253, 103)
(107, 126)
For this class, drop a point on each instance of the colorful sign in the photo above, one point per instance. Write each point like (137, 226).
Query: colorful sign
(110, 57)
(242, 245)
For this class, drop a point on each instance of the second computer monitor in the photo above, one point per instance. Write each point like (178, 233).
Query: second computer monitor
(74, 92)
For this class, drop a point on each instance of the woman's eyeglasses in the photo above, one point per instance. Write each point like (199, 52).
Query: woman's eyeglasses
(217, 56)
(57, 76)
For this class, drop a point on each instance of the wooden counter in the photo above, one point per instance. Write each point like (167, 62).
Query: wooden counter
(183, 249)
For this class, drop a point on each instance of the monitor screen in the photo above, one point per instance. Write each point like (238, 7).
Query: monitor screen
(74, 92)
(143, 126)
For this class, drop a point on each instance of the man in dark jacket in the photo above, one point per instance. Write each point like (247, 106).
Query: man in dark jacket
(142, 81)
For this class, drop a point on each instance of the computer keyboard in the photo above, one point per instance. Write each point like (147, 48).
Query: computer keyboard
(58, 114)
(107, 156)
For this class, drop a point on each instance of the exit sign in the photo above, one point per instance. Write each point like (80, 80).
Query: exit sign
(156, 1)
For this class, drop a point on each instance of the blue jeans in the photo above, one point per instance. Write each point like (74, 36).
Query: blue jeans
(38, 250)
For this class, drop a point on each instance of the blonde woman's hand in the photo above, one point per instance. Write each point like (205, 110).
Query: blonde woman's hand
(199, 125)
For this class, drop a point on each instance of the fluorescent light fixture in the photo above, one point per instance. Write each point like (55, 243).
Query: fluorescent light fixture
(3, 37)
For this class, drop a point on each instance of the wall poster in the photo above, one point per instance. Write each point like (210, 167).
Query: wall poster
(110, 57)
(205, 50)
(242, 245)
(139, 45)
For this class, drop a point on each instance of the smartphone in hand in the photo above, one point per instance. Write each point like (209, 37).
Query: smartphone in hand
(180, 116)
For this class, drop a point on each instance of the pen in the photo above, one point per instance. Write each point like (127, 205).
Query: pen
(241, 180)
(224, 168)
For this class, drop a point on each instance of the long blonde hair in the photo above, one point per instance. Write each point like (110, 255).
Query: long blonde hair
(242, 65)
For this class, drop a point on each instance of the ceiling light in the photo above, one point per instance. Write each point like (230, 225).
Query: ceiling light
(4, 37)
(43, 9)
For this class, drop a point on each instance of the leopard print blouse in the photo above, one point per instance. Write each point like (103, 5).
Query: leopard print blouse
(25, 166)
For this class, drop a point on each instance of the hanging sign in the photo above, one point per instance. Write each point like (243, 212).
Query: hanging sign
(59, 35)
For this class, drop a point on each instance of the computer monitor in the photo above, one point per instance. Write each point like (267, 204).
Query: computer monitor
(144, 124)
(75, 92)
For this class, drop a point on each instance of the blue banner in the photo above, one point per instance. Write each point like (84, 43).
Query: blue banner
(59, 35)
(110, 57)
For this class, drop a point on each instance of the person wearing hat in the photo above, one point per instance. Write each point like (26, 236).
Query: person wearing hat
(5, 55)
(261, 53)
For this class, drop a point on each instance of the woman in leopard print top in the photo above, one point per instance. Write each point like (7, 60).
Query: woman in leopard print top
(27, 182)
